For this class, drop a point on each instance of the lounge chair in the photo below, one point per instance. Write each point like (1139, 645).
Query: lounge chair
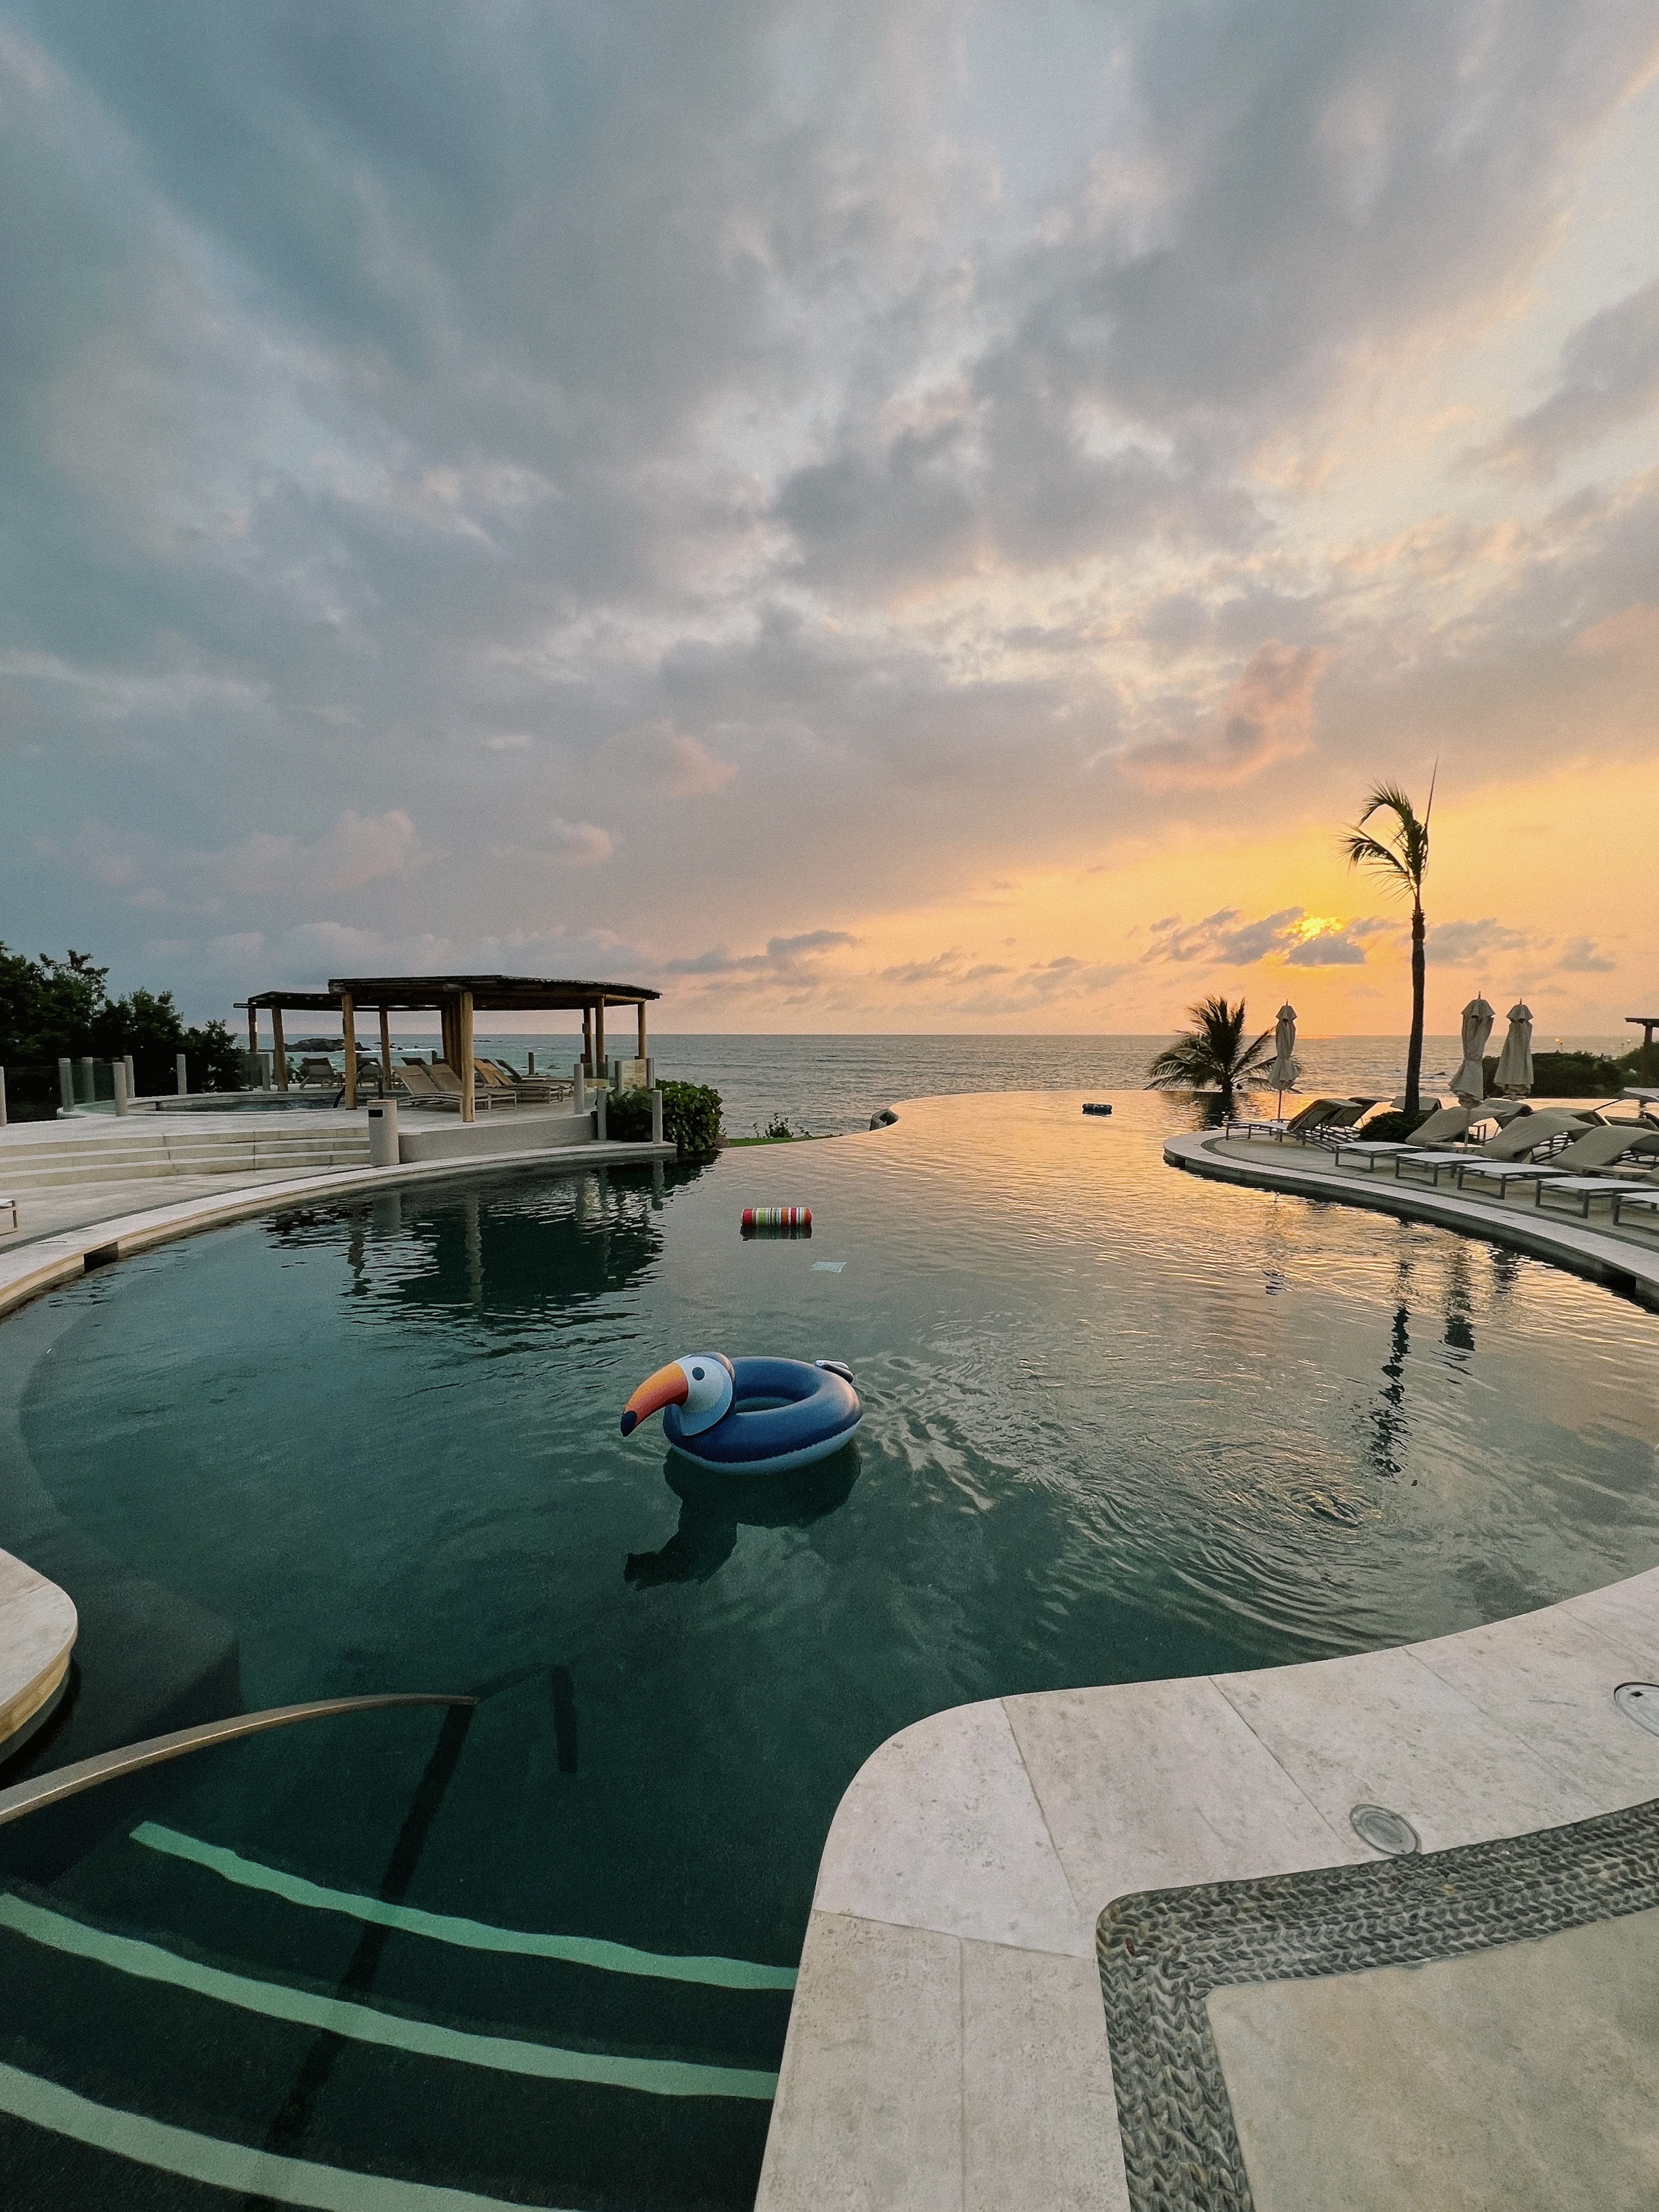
(527, 1090)
(1583, 1192)
(1636, 1209)
(1335, 1128)
(8, 1216)
(1594, 1148)
(487, 1075)
(1437, 1128)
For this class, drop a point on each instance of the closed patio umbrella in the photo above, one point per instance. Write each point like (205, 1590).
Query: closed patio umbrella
(1284, 1072)
(1514, 1077)
(1469, 1084)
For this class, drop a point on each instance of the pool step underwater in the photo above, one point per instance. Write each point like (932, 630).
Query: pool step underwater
(212, 2010)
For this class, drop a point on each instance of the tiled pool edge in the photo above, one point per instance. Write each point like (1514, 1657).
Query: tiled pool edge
(28, 1271)
(947, 2046)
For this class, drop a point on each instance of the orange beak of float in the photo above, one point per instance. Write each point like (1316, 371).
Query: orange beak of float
(669, 1386)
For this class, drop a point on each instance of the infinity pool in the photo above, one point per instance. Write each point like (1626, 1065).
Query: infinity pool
(1120, 1422)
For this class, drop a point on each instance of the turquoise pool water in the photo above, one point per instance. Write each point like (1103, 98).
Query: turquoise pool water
(1119, 1424)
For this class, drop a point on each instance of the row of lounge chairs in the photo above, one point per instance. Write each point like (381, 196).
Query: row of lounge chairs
(434, 1083)
(1567, 1160)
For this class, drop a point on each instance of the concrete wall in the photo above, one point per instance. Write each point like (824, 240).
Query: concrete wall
(432, 1137)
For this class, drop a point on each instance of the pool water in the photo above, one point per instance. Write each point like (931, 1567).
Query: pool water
(1120, 1422)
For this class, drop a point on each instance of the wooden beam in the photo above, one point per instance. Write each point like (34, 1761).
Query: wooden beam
(253, 1029)
(641, 1034)
(385, 1050)
(349, 1024)
(281, 1051)
(599, 1041)
(587, 1038)
(463, 1024)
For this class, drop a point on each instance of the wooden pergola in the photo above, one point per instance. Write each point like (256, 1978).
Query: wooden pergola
(455, 999)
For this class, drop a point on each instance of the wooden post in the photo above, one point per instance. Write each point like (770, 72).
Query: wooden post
(587, 1038)
(642, 1054)
(349, 1024)
(386, 1051)
(253, 1029)
(463, 1024)
(276, 1040)
(452, 1051)
(599, 1041)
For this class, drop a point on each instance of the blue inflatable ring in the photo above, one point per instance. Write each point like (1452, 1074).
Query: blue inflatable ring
(784, 1413)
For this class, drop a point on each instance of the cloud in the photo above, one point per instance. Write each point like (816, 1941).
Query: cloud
(785, 957)
(1465, 944)
(1224, 938)
(1581, 956)
(1334, 948)
(1609, 376)
(1268, 717)
(1291, 937)
(584, 844)
(358, 849)
(980, 453)
(671, 758)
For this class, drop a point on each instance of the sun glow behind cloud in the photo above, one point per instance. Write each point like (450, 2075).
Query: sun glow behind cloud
(915, 517)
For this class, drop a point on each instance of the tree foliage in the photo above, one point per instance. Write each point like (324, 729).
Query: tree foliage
(1212, 1055)
(1400, 860)
(54, 1009)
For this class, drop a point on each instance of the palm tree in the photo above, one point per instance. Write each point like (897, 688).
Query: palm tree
(1401, 858)
(1212, 1055)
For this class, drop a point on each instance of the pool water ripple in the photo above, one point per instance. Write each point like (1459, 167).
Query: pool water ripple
(1121, 1423)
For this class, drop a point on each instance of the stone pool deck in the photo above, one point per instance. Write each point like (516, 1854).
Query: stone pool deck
(948, 2048)
(38, 1628)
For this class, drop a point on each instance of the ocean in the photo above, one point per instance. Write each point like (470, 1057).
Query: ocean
(824, 1086)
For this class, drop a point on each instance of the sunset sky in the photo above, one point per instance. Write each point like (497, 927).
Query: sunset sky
(892, 516)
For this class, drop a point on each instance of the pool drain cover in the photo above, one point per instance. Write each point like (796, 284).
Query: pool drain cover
(1388, 1831)
(1639, 1701)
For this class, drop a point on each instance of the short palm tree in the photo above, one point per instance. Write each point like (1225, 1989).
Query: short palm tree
(1212, 1055)
(1401, 858)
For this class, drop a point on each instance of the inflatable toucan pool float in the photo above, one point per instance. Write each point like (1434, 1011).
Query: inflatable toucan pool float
(749, 1416)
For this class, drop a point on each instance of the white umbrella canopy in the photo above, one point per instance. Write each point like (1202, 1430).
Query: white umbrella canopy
(1284, 1072)
(1469, 1084)
(1514, 1076)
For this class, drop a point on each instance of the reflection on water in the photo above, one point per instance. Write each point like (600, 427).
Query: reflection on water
(1120, 1422)
(714, 1506)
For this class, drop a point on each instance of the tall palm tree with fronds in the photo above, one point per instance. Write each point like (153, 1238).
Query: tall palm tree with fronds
(1401, 858)
(1212, 1055)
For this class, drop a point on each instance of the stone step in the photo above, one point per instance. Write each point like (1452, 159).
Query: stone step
(64, 1168)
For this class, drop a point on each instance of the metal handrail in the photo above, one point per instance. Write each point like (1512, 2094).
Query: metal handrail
(45, 1790)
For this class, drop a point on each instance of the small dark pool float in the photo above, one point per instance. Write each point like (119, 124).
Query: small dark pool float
(749, 1416)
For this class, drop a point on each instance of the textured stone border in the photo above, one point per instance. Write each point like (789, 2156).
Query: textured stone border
(28, 1270)
(1162, 1953)
(1618, 1262)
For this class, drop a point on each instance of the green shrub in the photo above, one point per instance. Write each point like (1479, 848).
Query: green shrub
(690, 1117)
(1576, 1074)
